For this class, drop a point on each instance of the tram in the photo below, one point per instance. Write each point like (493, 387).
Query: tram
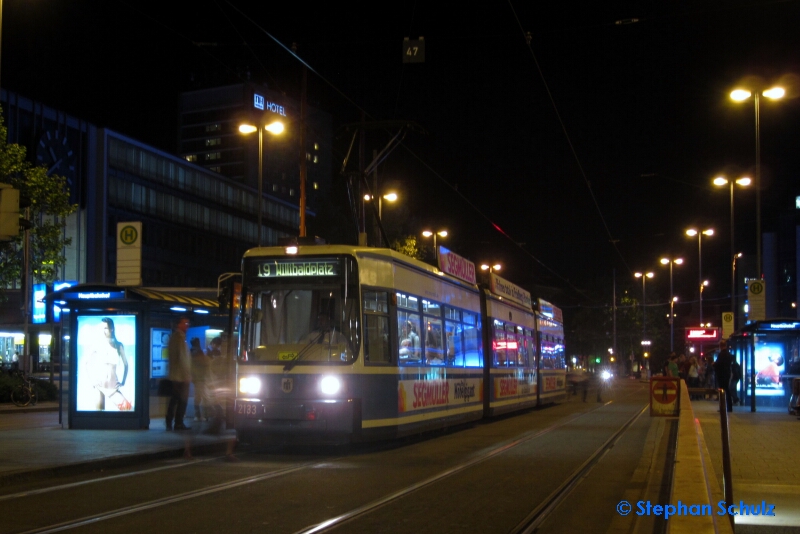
(356, 343)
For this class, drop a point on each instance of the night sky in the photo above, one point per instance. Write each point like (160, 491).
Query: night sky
(593, 149)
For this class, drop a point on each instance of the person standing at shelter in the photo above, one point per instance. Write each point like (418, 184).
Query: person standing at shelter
(180, 373)
(722, 371)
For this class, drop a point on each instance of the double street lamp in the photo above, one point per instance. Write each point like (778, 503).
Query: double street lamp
(275, 128)
(672, 299)
(691, 233)
(491, 268)
(389, 197)
(740, 95)
(721, 181)
(441, 233)
(644, 276)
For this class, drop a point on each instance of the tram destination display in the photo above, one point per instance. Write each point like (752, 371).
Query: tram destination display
(296, 268)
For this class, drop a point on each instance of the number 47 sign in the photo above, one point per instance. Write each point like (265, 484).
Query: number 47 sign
(413, 50)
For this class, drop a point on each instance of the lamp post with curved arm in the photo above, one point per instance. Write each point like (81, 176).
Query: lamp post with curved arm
(644, 276)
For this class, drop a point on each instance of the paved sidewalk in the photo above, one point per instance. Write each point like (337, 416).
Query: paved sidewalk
(33, 444)
(764, 461)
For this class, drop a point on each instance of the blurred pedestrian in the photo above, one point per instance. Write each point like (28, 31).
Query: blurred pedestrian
(180, 373)
(693, 376)
(200, 371)
(722, 371)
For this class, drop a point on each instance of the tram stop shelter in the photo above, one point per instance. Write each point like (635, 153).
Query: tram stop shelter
(769, 355)
(115, 345)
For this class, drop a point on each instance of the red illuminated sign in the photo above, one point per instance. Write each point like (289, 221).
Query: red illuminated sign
(709, 335)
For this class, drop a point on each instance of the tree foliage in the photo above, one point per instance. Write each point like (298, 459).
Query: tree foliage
(409, 246)
(49, 208)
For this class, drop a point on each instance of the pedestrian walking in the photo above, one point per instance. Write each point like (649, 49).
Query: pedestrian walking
(180, 373)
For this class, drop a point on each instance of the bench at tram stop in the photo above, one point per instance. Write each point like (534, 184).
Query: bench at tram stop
(694, 481)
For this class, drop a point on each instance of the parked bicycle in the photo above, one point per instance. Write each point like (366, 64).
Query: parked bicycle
(25, 393)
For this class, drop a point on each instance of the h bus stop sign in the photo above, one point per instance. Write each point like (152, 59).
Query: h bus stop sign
(664, 395)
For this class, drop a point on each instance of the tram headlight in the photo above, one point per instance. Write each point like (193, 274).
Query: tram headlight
(330, 385)
(250, 385)
(605, 375)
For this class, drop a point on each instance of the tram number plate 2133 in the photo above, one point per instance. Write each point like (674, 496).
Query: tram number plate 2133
(248, 409)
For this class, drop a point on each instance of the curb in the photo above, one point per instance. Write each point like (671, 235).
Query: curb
(114, 462)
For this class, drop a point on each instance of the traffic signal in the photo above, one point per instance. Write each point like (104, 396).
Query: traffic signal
(9, 212)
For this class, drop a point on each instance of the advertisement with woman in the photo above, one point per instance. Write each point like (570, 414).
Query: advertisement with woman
(106, 363)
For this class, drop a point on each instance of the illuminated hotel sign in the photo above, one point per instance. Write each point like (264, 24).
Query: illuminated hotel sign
(502, 287)
(293, 268)
(709, 335)
(265, 105)
(454, 265)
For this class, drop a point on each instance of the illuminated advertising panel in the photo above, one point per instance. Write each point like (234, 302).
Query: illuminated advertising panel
(769, 367)
(39, 309)
(106, 363)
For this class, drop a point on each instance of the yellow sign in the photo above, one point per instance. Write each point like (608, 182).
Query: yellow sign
(287, 356)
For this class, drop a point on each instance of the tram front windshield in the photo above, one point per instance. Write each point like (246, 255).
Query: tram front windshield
(300, 322)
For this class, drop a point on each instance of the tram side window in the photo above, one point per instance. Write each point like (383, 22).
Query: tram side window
(500, 345)
(434, 346)
(549, 357)
(454, 334)
(376, 327)
(473, 340)
(408, 326)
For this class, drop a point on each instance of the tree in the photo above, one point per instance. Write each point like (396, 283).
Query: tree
(409, 247)
(49, 207)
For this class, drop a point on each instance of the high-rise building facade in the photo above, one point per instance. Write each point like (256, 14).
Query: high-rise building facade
(209, 136)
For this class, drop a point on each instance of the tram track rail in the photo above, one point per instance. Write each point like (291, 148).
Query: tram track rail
(536, 516)
(343, 518)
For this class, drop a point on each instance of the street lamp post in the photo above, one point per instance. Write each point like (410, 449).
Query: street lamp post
(744, 182)
(644, 276)
(741, 95)
(703, 285)
(734, 285)
(670, 261)
(389, 197)
(491, 268)
(274, 128)
(428, 233)
(691, 233)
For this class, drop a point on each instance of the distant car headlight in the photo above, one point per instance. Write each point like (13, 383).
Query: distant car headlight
(605, 375)
(330, 385)
(250, 385)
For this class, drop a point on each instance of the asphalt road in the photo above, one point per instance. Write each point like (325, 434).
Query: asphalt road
(482, 478)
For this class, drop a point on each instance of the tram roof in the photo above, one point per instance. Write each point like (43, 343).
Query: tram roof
(321, 250)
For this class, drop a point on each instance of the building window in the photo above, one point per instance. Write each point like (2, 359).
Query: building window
(308, 155)
(213, 142)
(213, 127)
(191, 157)
(316, 185)
(316, 159)
(274, 188)
(291, 192)
(212, 156)
(215, 168)
(316, 146)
